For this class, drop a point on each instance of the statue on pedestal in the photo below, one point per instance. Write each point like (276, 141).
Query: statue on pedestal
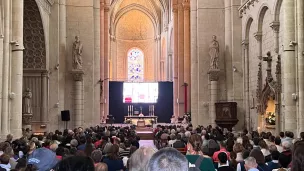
(77, 54)
(27, 102)
(214, 53)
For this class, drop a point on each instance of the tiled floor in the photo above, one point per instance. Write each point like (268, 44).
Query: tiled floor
(146, 143)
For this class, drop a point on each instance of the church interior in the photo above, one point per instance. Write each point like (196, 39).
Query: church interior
(232, 63)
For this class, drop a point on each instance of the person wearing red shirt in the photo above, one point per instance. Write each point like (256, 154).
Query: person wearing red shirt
(222, 149)
(98, 142)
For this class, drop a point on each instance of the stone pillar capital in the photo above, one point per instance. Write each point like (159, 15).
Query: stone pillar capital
(258, 36)
(45, 73)
(113, 38)
(175, 8)
(180, 7)
(166, 27)
(214, 74)
(77, 75)
(186, 5)
(102, 5)
(157, 37)
(275, 25)
(245, 43)
(106, 8)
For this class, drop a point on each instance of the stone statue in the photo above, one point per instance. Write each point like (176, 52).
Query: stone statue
(214, 53)
(77, 53)
(27, 102)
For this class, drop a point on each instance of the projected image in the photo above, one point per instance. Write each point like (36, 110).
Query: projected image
(140, 92)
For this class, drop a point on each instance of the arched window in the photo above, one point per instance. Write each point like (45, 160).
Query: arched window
(135, 65)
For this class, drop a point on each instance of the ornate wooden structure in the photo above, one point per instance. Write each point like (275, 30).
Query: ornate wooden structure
(226, 114)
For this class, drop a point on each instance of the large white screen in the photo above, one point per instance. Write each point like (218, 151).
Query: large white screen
(140, 92)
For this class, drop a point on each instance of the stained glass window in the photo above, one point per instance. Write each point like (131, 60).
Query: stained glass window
(135, 65)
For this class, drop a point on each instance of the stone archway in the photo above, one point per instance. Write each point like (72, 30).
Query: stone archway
(35, 75)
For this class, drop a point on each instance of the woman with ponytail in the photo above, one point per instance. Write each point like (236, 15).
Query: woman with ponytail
(195, 156)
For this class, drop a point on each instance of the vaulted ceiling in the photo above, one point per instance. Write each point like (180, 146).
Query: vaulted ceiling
(154, 9)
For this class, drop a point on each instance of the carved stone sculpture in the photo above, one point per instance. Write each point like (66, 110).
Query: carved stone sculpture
(27, 102)
(214, 53)
(77, 54)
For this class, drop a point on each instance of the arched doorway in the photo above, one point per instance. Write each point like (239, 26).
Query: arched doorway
(35, 77)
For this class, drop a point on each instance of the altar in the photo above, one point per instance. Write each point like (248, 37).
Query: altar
(141, 120)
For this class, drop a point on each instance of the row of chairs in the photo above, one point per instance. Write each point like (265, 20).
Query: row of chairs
(161, 143)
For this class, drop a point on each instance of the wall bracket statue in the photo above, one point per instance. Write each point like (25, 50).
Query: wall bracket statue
(27, 112)
(214, 53)
(77, 54)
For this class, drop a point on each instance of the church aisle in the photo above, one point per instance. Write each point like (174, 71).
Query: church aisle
(146, 143)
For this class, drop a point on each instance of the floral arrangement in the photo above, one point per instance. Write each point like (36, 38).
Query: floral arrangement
(128, 121)
(270, 118)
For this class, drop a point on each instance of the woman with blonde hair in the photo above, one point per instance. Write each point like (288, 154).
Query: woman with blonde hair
(195, 156)
(238, 149)
(101, 167)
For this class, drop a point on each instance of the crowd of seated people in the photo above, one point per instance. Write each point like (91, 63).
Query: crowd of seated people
(178, 149)
(219, 149)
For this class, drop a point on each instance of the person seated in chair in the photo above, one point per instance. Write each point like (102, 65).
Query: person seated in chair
(223, 164)
(141, 115)
(178, 143)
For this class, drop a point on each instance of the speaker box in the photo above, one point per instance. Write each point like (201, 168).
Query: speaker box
(65, 115)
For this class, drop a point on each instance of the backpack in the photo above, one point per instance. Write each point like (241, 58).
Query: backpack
(198, 163)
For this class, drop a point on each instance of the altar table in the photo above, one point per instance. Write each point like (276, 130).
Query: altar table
(142, 120)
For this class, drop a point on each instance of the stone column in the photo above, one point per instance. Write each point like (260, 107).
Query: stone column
(159, 58)
(96, 118)
(300, 23)
(78, 97)
(62, 52)
(114, 57)
(6, 61)
(194, 65)
(102, 52)
(170, 67)
(181, 81)
(156, 59)
(175, 60)
(289, 80)
(17, 68)
(276, 30)
(187, 64)
(44, 97)
(213, 77)
(106, 60)
(1, 70)
(246, 77)
(258, 37)
(228, 50)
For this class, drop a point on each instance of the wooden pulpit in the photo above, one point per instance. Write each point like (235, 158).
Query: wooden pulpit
(226, 114)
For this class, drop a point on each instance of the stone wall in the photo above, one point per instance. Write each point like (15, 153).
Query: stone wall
(262, 13)
(80, 22)
(207, 19)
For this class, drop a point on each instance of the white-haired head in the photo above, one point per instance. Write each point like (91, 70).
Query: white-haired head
(250, 163)
(286, 145)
